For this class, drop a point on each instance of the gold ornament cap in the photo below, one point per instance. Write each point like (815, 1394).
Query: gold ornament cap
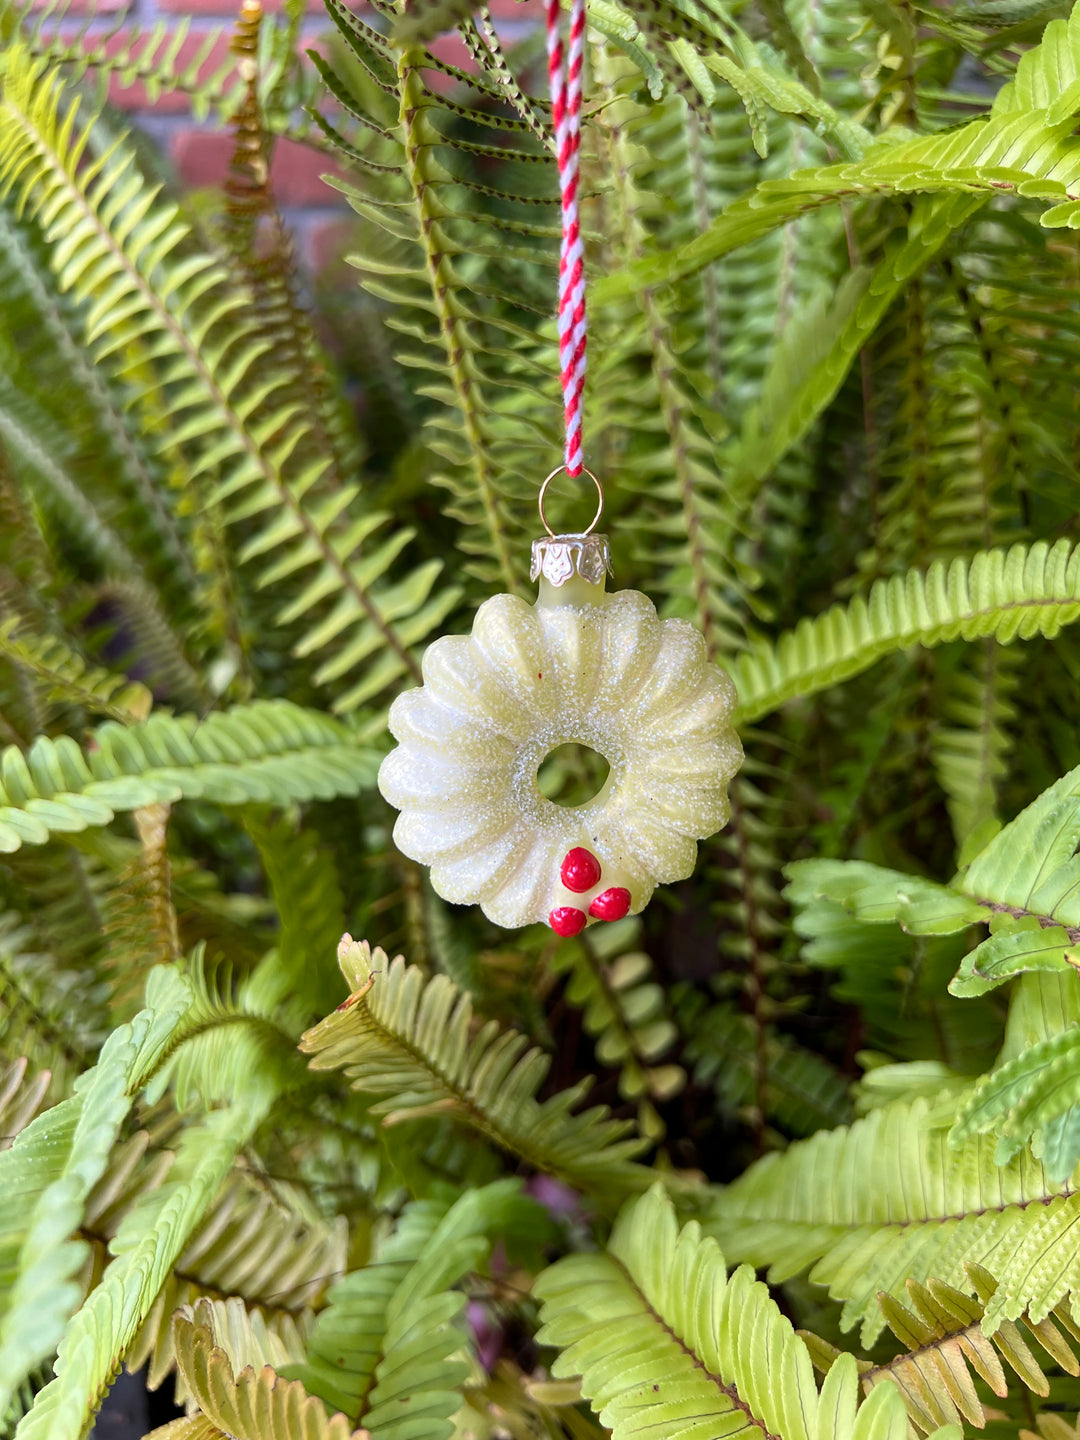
(559, 558)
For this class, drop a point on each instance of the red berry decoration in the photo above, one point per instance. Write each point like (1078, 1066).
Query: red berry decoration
(611, 905)
(568, 920)
(580, 870)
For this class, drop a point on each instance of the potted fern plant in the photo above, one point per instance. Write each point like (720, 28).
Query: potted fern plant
(823, 1180)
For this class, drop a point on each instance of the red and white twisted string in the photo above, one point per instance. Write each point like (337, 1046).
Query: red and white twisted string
(566, 85)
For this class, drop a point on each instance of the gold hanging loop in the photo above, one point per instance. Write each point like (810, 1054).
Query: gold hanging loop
(599, 493)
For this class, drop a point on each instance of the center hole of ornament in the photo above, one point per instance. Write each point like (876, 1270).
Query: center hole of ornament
(572, 774)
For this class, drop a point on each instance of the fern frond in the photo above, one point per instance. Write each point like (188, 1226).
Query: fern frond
(236, 1401)
(886, 1199)
(1030, 1100)
(1025, 146)
(129, 476)
(146, 1248)
(242, 1334)
(44, 456)
(385, 1350)
(271, 1258)
(1021, 884)
(20, 1100)
(675, 461)
(802, 1091)
(1001, 595)
(899, 982)
(67, 678)
(22, 543)
(816, 352)
(266, 752)
(311, 909)
(942, 1330)
(147, 56)
(263, 252)
(140, 924)
(155, 647)
(664, 1339)
(397, 1036)
(238, 1034)
(49, 1009)
(133, 259)
(971, 747)
(52, 1167)
(624, 1010)
(485, 364)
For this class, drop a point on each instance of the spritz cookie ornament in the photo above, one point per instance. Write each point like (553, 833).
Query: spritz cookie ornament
(579, 666)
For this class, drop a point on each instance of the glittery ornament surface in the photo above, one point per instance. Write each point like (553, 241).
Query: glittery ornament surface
(602, 671)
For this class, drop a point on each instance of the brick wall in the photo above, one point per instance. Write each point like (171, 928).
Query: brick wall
(199, 150)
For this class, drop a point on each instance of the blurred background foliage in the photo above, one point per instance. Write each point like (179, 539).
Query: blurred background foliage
(834, 306)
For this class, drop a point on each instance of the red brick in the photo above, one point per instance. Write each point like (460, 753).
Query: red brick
(326, 241)
(202, 159)
(227, 9)
(295, 175)
(517, 9)
(84, 7)
(453, 50)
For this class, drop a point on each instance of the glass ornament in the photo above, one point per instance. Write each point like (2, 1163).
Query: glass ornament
(583, 666)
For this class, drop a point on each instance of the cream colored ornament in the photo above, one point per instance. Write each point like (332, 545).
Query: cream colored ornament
(584, 666)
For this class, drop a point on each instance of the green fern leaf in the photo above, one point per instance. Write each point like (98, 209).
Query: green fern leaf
(429, 19)
(428, 219)
(1019, 1099)
(971, 747)
(624, 1010)
(877, 896)
(44, 456)
(1004, 595)
(664, 1339)
(141, 926)
(267, 752)
(310, 907)
(1025, 146)
(1022, 884)
(238, 1401)
(238, 1035)
(146, 1246)
(49, 1013)
(132, 479)
(66, 677)
(313, 1253)
(397, 1036)
(348, 1339)
(1047, 76)
(53, 1166)
(20, 1100)
(131, 262)
(385, 1350)
(887, 1200)
(802, 1091)
(273, 1259)
(156, 57)
(816, 352)
(941, 1330)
